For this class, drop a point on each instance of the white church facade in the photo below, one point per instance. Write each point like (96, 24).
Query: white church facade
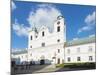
(45, 47)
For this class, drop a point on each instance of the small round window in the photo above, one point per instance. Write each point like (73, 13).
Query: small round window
(58, 22)
(58, 40)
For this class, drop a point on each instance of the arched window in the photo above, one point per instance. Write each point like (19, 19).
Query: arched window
(31, 37)
(43, 33)
(90, 58)
(30, 46)
(58, 29)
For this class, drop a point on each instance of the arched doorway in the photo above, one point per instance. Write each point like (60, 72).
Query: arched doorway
(42, 61)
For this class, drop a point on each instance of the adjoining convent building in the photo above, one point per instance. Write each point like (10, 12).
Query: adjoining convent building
(51, 47)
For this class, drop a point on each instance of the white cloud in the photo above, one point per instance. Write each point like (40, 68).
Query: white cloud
(45, 14)
(75, 38)
(15, 50)
(85, 28)
(90, 19)
(18, 50)
(20, 29)
(93, 35)
(13, 5)
(90, 23)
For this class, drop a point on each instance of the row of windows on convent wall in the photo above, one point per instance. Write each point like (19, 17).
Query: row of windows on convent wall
(90, 58)
(90, 49)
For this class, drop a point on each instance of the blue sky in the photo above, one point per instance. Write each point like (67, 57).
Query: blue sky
(79, 19)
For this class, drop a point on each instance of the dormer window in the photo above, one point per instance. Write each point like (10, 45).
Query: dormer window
(43, 33)
(58, 29)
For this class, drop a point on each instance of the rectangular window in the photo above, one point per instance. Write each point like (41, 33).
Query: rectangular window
(22, 56)
(78, 50)
(26, 56)
(68, 51)
(58, 50)
(90, 48)
(58, 60)
(69, 59)
(31, 46)
(78, 58)
(36, 36)
(58, 29)
(31, 54)
(90, 58)
(43, 44)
